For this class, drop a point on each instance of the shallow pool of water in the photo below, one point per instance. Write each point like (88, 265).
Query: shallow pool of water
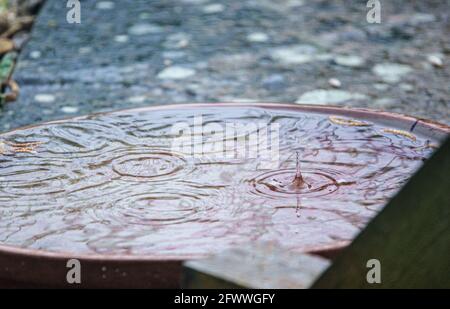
(113, 183)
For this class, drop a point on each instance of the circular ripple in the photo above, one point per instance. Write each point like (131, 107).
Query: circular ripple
(153, 165)
(112, 185)
(33, 180)
(155, 208)
(83, 137)
(280, 183)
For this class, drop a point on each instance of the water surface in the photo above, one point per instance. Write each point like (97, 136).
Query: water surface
(112, 184)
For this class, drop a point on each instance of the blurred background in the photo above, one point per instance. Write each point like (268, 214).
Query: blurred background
(126, 54)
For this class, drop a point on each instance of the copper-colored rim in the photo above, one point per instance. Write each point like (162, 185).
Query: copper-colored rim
(422, 126)
(322, 109)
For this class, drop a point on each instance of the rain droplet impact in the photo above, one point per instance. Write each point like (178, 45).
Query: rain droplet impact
(149, 165)
(284, 183)
(112, 183)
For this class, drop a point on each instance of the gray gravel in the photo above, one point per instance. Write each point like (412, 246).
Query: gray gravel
(127, 54)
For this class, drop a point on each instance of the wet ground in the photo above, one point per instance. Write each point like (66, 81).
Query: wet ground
(137, 53)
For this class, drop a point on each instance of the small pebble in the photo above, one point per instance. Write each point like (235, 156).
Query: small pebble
(257, 37)
(213, 8)
(323, 96)
(105, 5)
(435, 61)
(349, 61)
(137, 99)
(143, 29)
(391, 72)
(335, 83)
(122, 38)
(44, 98)
(298, 54)
(176, 72)
(69, 109)
(35, 54)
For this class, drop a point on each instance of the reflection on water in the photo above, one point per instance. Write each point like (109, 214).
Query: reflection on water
(111, 184)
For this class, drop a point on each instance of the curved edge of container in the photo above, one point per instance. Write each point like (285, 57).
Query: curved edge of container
(28, 268)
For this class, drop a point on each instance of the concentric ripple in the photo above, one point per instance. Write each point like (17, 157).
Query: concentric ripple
(152, 209)
(150, 165)
(280, 183)
(112, 184)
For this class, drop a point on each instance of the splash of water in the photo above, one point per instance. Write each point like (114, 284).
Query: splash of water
(299, 181)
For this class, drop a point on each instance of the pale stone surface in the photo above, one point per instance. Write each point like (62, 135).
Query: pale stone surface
(176, 73)
(105, 5)
(298, 54)
(143, 29)
(122, 38)
(349, 60)
(137, 99)
(257, 37)
(44, 98)
(436, 60)
(35, 54)
(323, 96)
(213, 8)
(334, 82)
(391, 72)
(69, 109)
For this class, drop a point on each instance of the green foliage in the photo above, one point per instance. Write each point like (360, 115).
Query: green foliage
(3, 6)
(6, 68)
